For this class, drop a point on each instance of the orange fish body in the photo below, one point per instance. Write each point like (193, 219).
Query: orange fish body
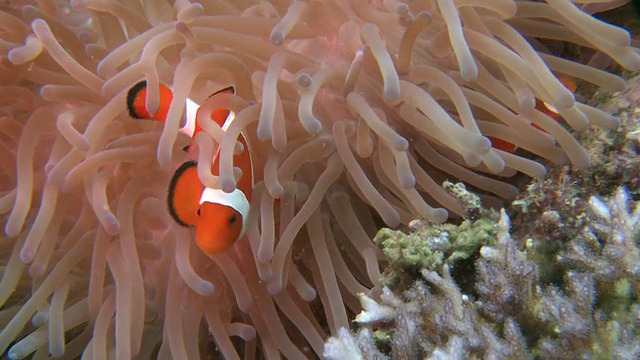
(219, 218)
(545, 108)
(137, 102)
(223, 217)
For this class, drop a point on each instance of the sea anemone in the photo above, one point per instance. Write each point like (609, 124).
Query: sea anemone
(356, 111)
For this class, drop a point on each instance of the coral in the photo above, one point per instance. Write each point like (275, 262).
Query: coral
(511, 314)
(471, 203)
(429, 246)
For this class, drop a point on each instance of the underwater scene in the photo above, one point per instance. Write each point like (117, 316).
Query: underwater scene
(319, 179)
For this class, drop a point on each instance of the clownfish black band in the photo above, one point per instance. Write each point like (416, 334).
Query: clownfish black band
(131, 98)
(172, 186)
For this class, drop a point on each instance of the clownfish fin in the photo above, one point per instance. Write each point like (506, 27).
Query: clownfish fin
(228, 90)
(184, 194)
(137, 102)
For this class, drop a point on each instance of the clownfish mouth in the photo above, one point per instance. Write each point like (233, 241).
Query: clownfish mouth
(221, 223)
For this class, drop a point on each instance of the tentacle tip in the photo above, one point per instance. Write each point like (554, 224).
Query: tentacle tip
(266, 274)
(38, 24)
(12, 231)
(483, 145)
(112, 228)
(264, 134)
(105, 90)
(16, 57)
(205, 288)
(12, 354)
(238, 149)
(36, 270)
(526, 103)
(276, 192)
(469, 73)
(581, 127)
(40, 318)
(304, 80)
(310, 295)
(541, 173)
(634, 64)
(402, 9)
(392, 94)
(180, 26)
(392, 220)
(250, 334)
(227, 185)
(565, 100)
(424, 16)
(277, 37)
(274, 287)
(439, 215)
(472, 159)
(190, 13)
(27, 255)
(401, 144)
(78, 4)
(315, 127)
(245, 306)
(582, 163)
(408, 181)
(615, 121)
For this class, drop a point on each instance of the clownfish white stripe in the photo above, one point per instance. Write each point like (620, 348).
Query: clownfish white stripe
(191, 109)
(235, 200)
(229, 120)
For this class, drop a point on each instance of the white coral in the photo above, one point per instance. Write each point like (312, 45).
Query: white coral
(342, 347)
(616, 224)
(373, 311)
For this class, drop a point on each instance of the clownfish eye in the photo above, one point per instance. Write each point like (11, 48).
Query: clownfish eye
(198, 212)
(232, 219)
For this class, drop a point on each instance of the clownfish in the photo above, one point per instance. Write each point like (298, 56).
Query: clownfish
(541, 106)
(220, 218)
(137, 107)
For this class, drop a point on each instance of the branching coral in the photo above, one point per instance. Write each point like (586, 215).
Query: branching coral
(593, 314)
(356, 112)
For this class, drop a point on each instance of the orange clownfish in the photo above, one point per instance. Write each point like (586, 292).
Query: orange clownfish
(541, 106)
(220, 218)
(137, 106)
